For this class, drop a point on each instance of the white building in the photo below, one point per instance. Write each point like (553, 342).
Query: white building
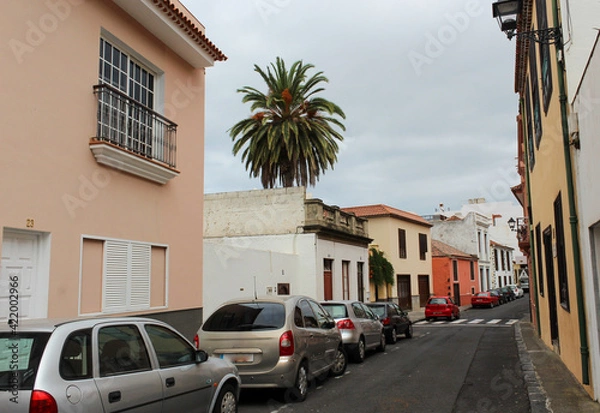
(470, 234)
(499, 213)
(581, 40)
(502, 265)
(279, 242)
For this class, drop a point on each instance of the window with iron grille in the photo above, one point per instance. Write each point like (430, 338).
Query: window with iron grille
(127, 92)
(402, 243)
(561, 258)
(455, 269)
(423, 247)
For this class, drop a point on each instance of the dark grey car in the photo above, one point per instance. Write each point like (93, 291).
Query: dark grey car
(395, 321)
(110, 365)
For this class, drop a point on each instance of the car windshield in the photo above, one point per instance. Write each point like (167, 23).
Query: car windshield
(438, 301)
(20, 356)
(336, 310)
(246, 316)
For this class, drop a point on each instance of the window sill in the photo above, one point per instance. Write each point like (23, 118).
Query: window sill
(115, 157)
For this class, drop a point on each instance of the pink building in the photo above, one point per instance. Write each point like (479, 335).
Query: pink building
(454, 272)
(102, 159)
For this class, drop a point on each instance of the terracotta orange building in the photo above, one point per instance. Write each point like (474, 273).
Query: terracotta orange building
(454, 272)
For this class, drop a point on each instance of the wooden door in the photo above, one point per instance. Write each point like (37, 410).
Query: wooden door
(404, 293)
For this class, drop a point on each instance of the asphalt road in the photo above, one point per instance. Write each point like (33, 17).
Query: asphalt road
(469, 366)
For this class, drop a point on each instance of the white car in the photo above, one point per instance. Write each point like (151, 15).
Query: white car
(517, 290)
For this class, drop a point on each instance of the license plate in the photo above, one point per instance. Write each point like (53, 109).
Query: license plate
(238, 358)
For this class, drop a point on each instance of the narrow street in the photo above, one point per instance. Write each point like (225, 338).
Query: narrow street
(467, 366)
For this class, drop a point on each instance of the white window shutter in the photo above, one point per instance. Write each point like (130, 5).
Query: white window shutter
(140, 276)
(115, 275)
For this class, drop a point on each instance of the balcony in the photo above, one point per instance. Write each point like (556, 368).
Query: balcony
(132, 137)
(331, 219)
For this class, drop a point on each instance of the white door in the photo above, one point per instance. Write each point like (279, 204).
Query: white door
(20, 252)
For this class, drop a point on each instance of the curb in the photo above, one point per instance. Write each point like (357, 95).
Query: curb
(538, 399)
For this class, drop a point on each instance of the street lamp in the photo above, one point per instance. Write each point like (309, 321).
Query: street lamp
(518, 224)
(507, 11)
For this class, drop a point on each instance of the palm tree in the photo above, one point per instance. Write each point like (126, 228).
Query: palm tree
(381, 270)
(290, 136)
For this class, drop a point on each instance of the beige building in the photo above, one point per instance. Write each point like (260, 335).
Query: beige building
(102, 159)
(405, 239)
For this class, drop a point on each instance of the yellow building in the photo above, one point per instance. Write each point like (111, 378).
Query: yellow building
(547, 191)
(405, 239)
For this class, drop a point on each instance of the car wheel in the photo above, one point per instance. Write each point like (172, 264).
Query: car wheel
(458, 314)
(393, 336)
(382, 341)
(226, 401)
(339, 365)
(359, 352)
(298, 393)
(491, 305)
(409, 331)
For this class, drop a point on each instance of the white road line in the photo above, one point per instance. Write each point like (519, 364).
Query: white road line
(421, 322)
(494, 321)
(476, 321)
(512, 321)
(462, 320)
(439, 322)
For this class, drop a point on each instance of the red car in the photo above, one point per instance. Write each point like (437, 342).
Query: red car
(441, 307)
(485, 299)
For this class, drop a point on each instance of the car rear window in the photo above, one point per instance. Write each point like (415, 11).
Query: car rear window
(482, 294)
(437, 301)
(378, 310)
(246, 316)
(336, 310)
(20, 356)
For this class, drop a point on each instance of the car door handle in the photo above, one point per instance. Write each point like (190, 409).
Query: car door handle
(114, 396)
(170, 382)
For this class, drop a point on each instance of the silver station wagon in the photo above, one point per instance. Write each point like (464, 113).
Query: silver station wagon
(277, 342)
(110, 365)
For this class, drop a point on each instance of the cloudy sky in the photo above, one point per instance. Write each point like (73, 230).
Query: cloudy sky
(426, 85)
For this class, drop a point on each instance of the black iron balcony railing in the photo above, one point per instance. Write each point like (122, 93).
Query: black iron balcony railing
(128, 124)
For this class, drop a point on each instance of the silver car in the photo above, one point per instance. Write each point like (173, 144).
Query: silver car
(360, 327)
(107, 365)
(276, 342)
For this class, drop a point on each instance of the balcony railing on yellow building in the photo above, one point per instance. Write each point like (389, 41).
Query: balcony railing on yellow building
(126, 123)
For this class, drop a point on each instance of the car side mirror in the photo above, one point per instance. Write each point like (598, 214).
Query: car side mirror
(329, 324)
(201, 356)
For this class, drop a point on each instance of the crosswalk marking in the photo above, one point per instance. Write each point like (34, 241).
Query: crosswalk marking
(475, 321)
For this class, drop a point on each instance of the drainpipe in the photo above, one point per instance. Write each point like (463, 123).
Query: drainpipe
(584, 350)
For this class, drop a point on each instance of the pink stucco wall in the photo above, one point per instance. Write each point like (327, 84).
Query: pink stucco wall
(49, 58)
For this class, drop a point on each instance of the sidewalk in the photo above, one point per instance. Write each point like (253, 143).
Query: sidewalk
(550, 385)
